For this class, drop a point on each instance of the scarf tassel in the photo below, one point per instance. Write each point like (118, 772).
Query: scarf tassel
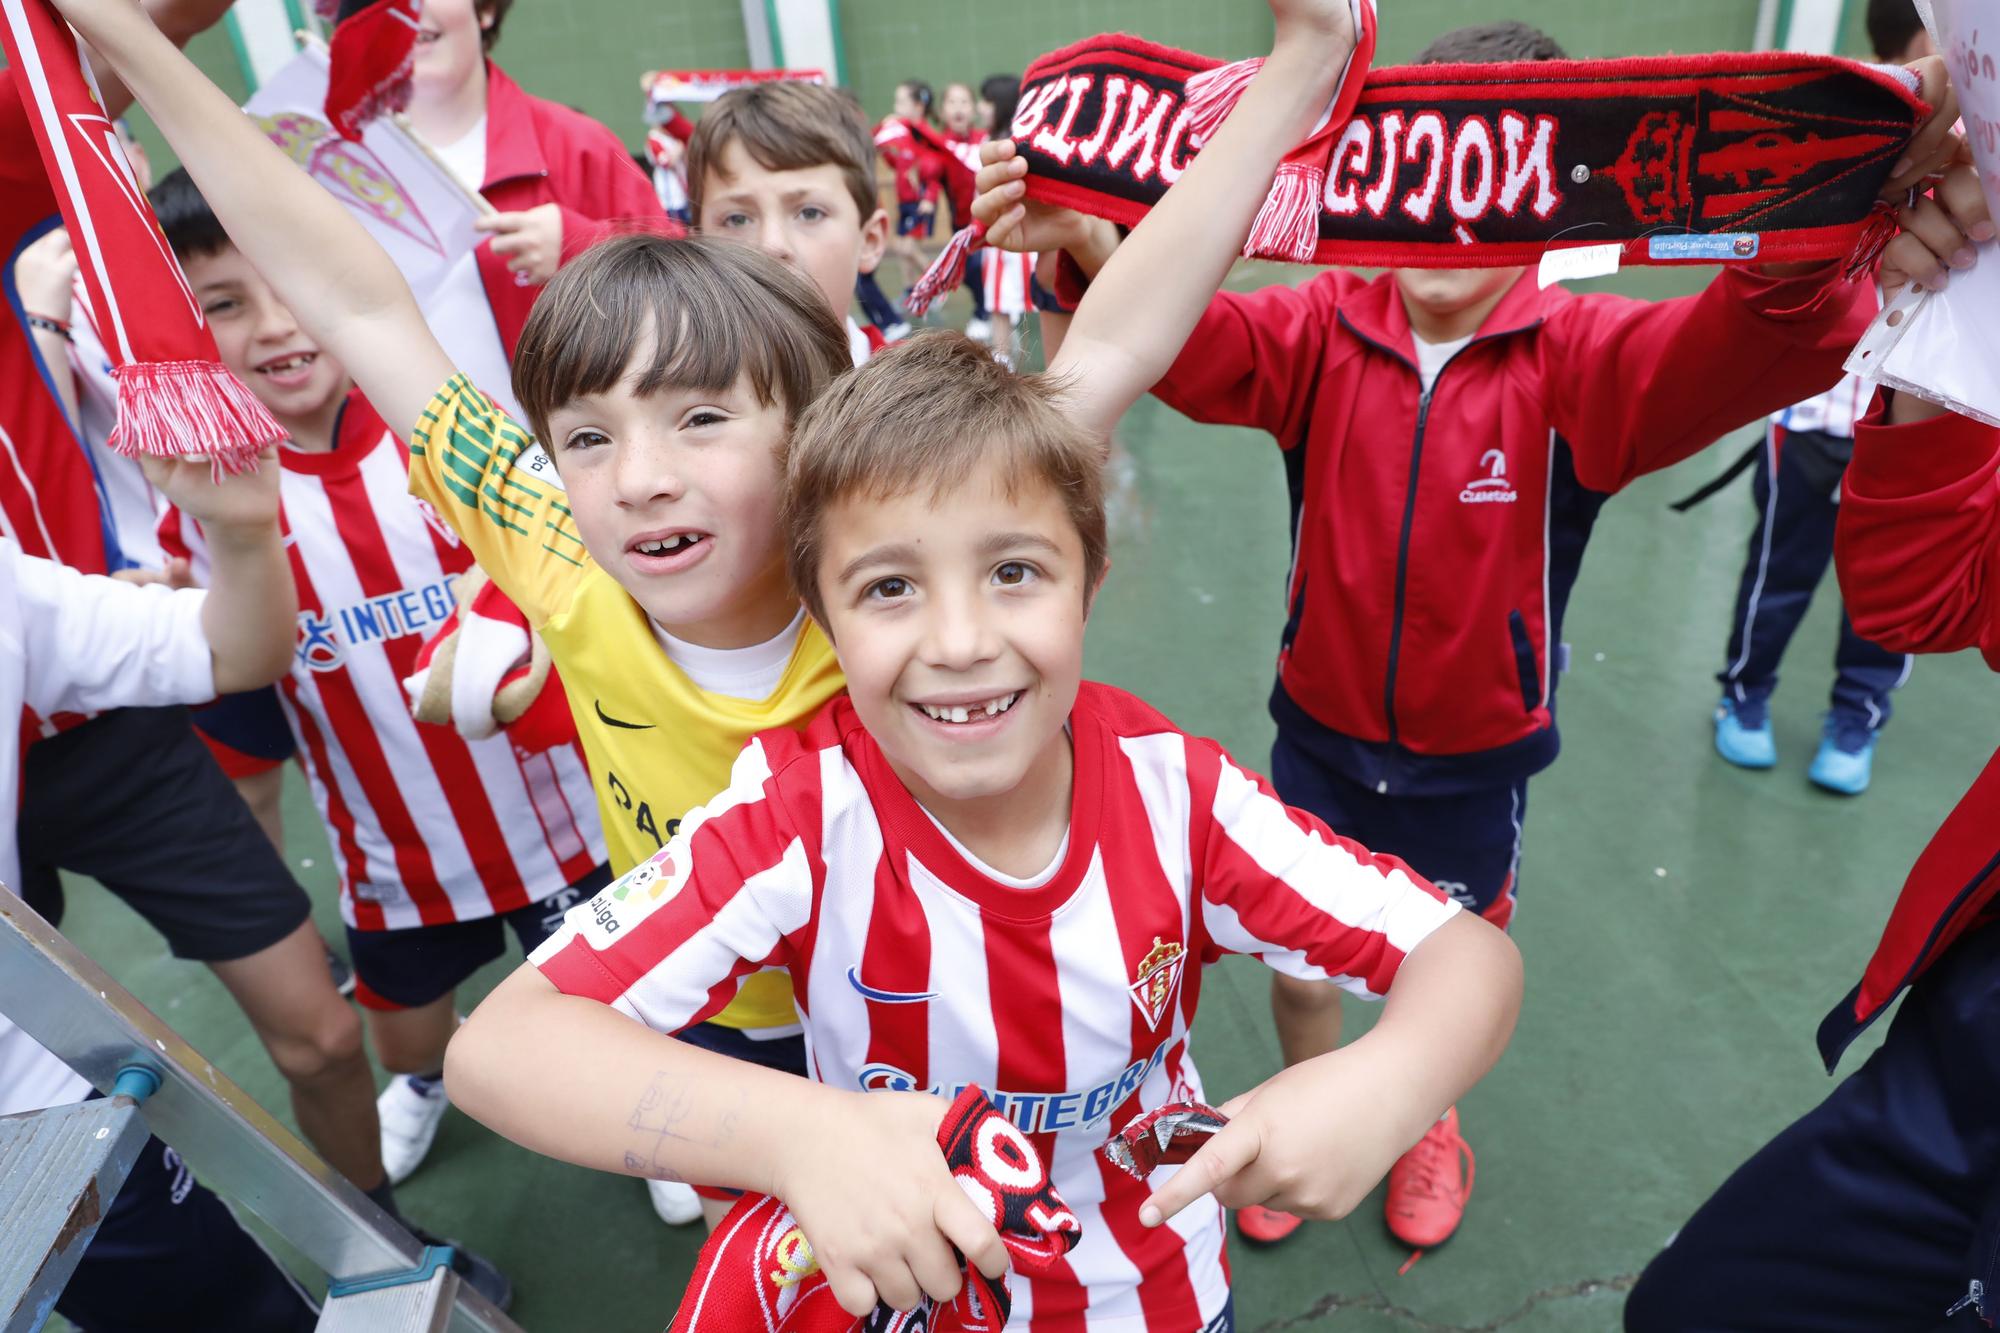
(1213, 94)
(1880, 229)
(1287, 226)
(190, 409)
(946, 272)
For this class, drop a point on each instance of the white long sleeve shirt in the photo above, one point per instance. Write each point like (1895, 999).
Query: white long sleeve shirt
(72, 643)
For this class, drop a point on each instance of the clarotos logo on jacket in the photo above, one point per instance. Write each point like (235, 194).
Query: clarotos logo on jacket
(1493, 488)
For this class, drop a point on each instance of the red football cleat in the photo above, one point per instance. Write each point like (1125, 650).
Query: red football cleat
(1265, 1226)
(1428, 1186)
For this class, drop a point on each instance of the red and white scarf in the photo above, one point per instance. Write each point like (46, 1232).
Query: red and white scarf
(757, 1273)
(369, 60)
(175, 398)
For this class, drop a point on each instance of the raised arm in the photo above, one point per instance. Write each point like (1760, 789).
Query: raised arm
(318, 259)
(1140, 308)
(1666, 379)
(251, 616)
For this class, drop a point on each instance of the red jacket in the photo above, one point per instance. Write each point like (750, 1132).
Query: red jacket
(1436, 536)
(538, 152)
(1918, 550)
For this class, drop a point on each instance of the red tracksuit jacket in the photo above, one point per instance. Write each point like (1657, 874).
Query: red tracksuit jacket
(1918, 550)
(1436, 536)
(538, 152)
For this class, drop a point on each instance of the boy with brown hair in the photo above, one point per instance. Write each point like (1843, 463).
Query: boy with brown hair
(1449, 437)
(979, 869)
(643, 543)
(790, 168)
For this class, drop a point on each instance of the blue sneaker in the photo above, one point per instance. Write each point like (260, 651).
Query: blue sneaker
(1841, 770)
(1741, 744)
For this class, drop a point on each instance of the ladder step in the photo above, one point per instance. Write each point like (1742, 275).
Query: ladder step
(422, 1306)
(60, 1168)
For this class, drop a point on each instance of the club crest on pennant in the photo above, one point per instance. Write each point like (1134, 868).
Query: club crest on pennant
(1159, 978)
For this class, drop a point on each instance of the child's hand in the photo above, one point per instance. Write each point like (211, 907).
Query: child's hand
(1939, 231)
(1935, 146)
(237, 507)
(44, 276)
(1312, 1141)
(530, 241)
(179, 573)
(873, 1195)
(1014, 222)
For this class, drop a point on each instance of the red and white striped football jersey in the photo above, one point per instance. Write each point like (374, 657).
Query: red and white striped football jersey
(1069, 1003)
(426, 827)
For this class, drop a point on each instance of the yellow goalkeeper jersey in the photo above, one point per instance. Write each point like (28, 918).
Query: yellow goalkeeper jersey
(658, 744)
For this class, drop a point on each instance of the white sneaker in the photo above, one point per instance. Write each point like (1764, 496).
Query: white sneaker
(410, 1109)
(677, 1204)
(896, 332)
(979, 330)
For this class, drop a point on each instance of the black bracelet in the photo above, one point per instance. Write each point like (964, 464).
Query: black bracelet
(55, 326)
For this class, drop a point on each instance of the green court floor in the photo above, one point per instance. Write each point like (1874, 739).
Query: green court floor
(1685, 924)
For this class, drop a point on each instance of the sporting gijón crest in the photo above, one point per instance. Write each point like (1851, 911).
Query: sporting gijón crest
(1157, 980)
(1469, 165)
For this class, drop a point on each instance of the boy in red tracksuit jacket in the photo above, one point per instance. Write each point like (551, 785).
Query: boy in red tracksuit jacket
(560, 180)
(1880, 1207)
(1449, 438)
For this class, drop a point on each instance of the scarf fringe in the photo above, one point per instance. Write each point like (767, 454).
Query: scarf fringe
(1876, 233)
(1214, 93)
(946, 272)
(190, 409)
(1287, 226)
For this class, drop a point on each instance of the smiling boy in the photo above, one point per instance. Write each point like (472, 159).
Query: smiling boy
(978, 868)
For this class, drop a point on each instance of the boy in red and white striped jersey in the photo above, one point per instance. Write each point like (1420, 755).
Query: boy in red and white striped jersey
(979, 869)
(438, 839)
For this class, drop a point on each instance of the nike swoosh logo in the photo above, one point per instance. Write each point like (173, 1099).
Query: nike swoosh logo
(887, 996)
(611, 721)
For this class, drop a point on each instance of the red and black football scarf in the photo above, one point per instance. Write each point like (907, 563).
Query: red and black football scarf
(368, 61)
(1678, 159)
(757, 1272)
(175, 398)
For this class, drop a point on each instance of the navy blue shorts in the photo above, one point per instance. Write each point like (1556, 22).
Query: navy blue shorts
(409, 968)
(170, 1258)
(1466, 843)
(251, 723)
(787, 1055)
(1880, 1207)
(911, 220)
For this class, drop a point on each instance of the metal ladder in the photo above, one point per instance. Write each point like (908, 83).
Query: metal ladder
(61, 1168)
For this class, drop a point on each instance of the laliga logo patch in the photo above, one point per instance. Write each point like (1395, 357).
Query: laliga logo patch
(624, 904)
(1159, 977)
